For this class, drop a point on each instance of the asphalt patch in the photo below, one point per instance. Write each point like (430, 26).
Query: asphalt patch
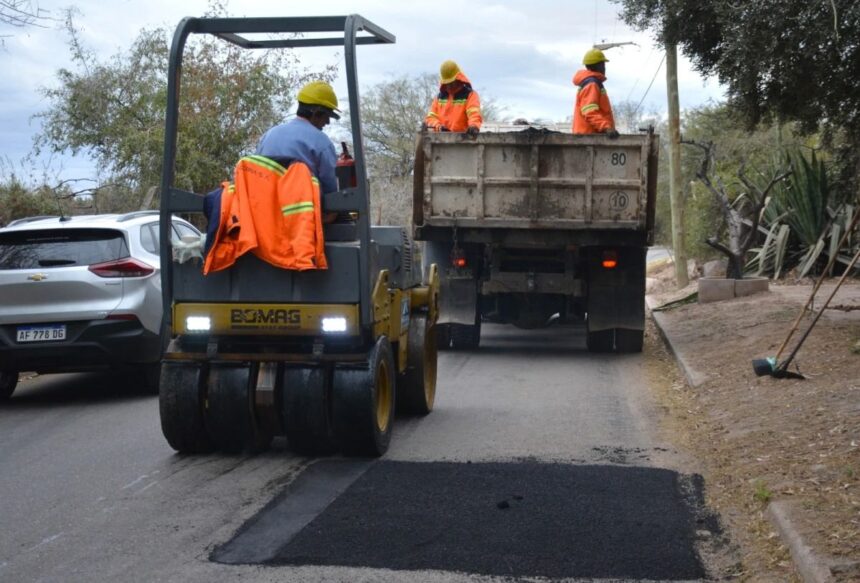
(503, 519)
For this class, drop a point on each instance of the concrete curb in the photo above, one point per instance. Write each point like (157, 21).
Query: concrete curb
(811, 567)
(694, 377)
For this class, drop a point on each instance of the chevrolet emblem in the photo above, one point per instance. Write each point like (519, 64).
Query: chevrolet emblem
(37, 277)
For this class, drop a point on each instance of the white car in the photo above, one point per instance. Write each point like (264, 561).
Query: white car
(82, 293)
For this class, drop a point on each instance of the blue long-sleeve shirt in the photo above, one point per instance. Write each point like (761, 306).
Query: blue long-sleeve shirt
(298, 139)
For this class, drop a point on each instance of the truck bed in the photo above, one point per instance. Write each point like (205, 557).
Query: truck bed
(535, 179)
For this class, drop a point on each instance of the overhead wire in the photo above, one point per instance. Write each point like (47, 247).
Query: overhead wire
(641, 101)
(639, 77)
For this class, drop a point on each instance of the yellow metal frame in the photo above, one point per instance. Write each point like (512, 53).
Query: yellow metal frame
(266, 319)
(393, 309)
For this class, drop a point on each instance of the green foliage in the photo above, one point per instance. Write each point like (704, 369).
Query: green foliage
(802, 199)
(808, 217)
(114, 110)
(17, 200)
(780, 60)
(762, 492)
(734, 144)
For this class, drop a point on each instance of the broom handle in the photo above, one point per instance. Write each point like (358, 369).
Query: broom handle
(791, 356)
(818, 283)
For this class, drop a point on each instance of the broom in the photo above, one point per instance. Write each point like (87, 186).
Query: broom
(771, 366)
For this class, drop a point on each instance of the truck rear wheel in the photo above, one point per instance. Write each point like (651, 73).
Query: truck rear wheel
(601, 341)
(8, 382)
(230, 420)
(180, 405)
(363, 403)
(306, 410)
(628, 340)
(416, 386)
(466, 336)
(443, 336)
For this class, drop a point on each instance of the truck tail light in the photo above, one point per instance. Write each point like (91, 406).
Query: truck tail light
(610, 259)
(128, 267)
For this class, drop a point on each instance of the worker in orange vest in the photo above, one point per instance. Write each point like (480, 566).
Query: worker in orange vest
(592, 113)
(457, 108)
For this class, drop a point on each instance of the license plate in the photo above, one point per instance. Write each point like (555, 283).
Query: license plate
(49, 333)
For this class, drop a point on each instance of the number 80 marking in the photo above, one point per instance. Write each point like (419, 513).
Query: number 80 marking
(619, 158)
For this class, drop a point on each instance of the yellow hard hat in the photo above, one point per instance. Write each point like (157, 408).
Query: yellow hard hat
(594, 56)
(319, 93)
(448, 72)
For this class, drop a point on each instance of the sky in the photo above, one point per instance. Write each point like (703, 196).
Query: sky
(520, 53)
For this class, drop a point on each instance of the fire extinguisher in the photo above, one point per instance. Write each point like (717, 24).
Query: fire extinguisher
(345, 171)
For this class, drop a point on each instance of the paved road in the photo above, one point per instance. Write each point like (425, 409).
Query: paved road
(655, 253)
(539, 460)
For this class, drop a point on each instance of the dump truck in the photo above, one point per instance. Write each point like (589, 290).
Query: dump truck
(530, 226)
(321, 356)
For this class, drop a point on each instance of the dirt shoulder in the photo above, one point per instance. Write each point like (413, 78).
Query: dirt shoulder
(763, 440)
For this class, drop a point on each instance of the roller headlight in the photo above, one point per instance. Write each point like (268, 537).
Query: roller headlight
(335, 324)
(198, 323)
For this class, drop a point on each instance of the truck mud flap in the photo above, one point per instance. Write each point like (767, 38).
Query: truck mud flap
(458, 301)
(458, 293)
(616, 296)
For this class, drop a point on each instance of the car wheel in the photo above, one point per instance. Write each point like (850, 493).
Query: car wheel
(8, 382)
(466, 336)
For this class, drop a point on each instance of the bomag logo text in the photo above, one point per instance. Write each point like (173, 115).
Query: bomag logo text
(266, 318)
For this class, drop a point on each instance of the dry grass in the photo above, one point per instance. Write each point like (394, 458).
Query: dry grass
(764, 439)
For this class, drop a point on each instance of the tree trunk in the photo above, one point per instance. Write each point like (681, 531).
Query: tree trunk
(735, 267)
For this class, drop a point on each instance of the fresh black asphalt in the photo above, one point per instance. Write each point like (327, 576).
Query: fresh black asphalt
(506, 519)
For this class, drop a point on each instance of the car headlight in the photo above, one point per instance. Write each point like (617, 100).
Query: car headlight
(198, 323)
(337, 324)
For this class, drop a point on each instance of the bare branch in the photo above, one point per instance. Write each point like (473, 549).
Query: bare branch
(22, 13)
(712, 242)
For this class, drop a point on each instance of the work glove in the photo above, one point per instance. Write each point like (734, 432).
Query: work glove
(473, 131)
(612, 134)
(443, 129)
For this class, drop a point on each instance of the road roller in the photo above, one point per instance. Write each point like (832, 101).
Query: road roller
(324, 357)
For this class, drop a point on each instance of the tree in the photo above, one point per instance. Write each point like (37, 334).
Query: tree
(733, 143)
(113, 111)
(741, 211)
(21, 14)
(17, 200)
(391, 114)
(780, 60)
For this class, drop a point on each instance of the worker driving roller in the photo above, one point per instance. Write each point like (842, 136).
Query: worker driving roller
(294, 164)
(592, 113)
(457, 108)
(302, 138)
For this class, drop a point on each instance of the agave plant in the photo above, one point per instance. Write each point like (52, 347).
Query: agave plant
(802, 220)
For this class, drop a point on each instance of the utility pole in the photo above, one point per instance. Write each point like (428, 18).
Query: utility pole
(676, 199)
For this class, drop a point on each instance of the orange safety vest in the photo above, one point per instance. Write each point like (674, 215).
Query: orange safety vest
(455, 112)
(592, 113)
(273, 212)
